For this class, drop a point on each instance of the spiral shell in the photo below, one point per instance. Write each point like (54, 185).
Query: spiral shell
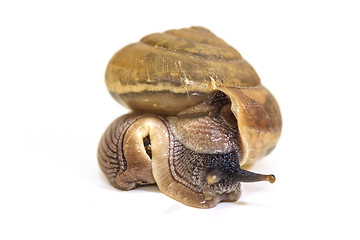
(168, 72)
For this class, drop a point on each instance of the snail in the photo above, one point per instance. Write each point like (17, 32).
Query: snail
(199, 113)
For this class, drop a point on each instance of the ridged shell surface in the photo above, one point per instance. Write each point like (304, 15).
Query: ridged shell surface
(171, 71)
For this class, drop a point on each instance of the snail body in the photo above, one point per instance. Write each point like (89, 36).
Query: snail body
(199, 112)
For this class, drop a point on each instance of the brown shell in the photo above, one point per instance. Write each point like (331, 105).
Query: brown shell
(168, 72)
(171, 71)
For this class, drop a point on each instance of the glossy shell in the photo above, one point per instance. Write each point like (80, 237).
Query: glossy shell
(166, 73)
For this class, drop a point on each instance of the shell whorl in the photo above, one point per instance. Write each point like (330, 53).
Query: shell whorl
(168, 72)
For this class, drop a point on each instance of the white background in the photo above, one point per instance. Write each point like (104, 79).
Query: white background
(55, 107)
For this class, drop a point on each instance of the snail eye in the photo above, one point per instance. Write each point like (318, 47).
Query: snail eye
(147, 146)
(214, 176)
(227, 116)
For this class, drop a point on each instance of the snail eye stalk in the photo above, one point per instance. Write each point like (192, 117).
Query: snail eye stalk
(247, 176)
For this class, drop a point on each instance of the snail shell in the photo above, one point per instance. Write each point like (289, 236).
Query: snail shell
(199, 114)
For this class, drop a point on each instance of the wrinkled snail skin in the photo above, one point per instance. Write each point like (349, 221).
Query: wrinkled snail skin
(199, 114)
(115, 146)
(199, 173)
(179, 171)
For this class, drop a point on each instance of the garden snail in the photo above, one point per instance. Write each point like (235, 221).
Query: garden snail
(199, 112)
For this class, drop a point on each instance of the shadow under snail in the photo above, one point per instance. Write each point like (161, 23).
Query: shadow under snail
(199, 113)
